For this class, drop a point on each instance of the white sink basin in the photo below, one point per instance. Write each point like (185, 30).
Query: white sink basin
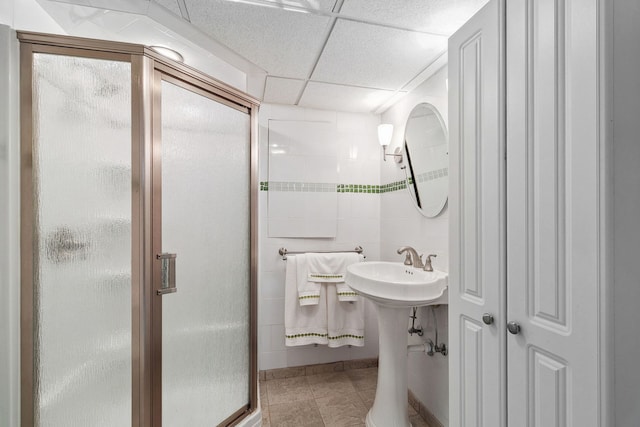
(394, 284)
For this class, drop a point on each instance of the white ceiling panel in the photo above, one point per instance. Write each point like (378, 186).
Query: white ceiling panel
(319, 5)
(373, 56)
(343, 98)
(171, 5)
(434, 16)
(282, 91)
(282, 42)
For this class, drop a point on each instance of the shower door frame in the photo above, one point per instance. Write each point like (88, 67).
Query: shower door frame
(146, 334)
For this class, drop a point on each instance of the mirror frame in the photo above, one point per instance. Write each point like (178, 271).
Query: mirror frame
(410, 180)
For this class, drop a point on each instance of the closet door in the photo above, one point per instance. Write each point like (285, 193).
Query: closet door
(553, 193)
(477, 282)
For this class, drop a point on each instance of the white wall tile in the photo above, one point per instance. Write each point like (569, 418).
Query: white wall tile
(272, 360)
(264, 339)
(402, 224)
(272, 284)
(271, 311)
(277, 338)
(358, 224)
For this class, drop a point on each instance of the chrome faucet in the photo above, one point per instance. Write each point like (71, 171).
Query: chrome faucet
(416, 260)
(412, 256)
(427, 263)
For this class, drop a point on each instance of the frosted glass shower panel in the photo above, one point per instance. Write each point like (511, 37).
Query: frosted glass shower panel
(206, 222)
(303, 175)
(82, 258)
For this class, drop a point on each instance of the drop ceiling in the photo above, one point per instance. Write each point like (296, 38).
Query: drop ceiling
(345, 55)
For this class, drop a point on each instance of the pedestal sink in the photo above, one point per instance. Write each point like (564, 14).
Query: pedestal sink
(394, 287)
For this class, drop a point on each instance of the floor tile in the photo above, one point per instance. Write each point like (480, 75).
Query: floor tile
(342, 411)
(266, 419)
(333, 384)
(412, 411)
(363, 379)
(331, 399)
(296, 414)
(417, 421)
(361, 363)
(367, 397)
(288, 390)
(325, 368)
(262, 391)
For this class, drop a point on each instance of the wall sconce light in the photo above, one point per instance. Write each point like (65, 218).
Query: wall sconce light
(385, 131)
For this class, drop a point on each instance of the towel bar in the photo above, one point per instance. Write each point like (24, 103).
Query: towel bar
(284, 252)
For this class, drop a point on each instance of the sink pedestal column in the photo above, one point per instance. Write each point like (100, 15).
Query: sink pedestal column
(390, 405)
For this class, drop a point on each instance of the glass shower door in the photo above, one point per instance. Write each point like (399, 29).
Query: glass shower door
(80, 252)
(201, 164)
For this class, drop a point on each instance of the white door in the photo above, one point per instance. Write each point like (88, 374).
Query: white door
(553, 212)
(477, 221)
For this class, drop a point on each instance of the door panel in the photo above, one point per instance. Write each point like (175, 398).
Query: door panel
(553, 212)
(205, 220)
(81, 254)
(477, 216)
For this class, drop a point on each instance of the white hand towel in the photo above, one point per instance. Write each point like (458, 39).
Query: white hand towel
(345, 320)
(308, 292)
(332, 268)
(303, 325)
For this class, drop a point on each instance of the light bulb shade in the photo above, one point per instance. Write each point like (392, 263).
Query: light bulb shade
(168, 53)
(385, 131)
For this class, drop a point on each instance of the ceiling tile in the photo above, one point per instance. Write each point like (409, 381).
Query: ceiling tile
(171, 5)
(373, 56)
(319, 5)
(282, 42)
(435, 16)
(343, 98)
(282, 91)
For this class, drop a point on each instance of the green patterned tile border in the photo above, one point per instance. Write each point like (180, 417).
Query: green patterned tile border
(322, 187)
(300, 187)
(434, 174)
(358, 188)
(393, 186)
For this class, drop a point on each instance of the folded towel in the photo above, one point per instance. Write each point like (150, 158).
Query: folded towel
(308, 292)
(345, 319)
(303, 324)
(332, 268)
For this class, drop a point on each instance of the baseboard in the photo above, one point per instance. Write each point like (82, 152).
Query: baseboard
(424, 412)
(300, 371)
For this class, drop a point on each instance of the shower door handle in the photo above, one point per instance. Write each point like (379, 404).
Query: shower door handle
(167, 274)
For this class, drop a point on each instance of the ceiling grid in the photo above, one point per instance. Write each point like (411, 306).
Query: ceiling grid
(347, 55)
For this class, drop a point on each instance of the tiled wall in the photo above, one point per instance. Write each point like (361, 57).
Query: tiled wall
(375, 211)
(401, 225)
(358, 224)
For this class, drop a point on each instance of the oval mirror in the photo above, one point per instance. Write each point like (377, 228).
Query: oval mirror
(426, 147)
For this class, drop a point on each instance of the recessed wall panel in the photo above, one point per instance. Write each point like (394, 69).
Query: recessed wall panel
(471, 179)
(547, 390)
(471, 366)
(547, 192)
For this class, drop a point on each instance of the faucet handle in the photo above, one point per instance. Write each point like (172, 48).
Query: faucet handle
(407, 259)
(427, 263)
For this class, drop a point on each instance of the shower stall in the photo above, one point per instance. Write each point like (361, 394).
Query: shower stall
(138, 231)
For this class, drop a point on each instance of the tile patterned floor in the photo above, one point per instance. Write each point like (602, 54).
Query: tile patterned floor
(335, 399)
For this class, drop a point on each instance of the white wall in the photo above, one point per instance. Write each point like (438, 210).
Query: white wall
(402, 225)
(9, 230)
(154, 26)
(27, 15)
(626, 211)
(358, 224)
